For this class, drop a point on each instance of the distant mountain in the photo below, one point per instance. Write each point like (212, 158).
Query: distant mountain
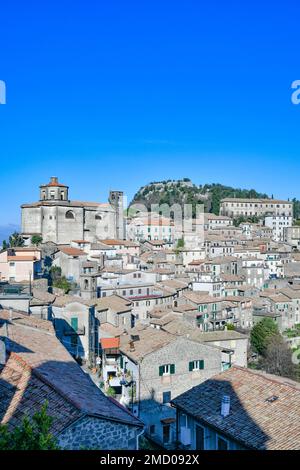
(6, 231)
(185, 192)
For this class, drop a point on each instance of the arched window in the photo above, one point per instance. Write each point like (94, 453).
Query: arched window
(70, 215)
(98, 217)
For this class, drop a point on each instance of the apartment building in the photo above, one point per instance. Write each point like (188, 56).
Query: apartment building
(278, 224)
(20, 264)
(236, 207)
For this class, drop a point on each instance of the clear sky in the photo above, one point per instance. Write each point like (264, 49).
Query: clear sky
(114, 94)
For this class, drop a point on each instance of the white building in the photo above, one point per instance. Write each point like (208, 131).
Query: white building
(235, 207)
(278, 223)
(150, 228)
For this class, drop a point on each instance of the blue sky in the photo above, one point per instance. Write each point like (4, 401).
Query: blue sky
(114, 94)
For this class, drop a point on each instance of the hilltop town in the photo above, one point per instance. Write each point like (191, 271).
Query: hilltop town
(143, 329)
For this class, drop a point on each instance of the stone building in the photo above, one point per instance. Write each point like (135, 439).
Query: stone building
(58, 219)
(157, 367)
(239, 409)
(35, 368)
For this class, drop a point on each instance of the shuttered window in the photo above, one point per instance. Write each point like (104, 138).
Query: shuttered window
(167, 369)
(196, 365)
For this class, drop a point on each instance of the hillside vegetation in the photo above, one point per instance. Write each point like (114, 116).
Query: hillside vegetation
(185, 192)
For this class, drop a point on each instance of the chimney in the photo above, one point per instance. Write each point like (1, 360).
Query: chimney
(54, 179)
(131, 346)
(225, 406)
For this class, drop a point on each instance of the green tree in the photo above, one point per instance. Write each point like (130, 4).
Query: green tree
(4, 245)
(62, 283)
(32, 434)
(180, 243)
(110, 392)
(55, 273)
(36, 240)
(15, 240)
(261, 334)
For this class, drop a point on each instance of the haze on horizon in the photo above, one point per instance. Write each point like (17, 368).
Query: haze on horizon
(115, 95)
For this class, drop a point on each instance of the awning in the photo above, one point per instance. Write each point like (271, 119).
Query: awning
(168, 420)
(110, 343)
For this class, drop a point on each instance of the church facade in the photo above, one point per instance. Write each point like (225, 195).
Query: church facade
(60, 220)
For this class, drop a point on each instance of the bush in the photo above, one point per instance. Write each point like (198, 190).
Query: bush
(110, 392)
(32, 434)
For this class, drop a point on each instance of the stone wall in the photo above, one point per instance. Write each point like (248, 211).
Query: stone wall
(95, 433)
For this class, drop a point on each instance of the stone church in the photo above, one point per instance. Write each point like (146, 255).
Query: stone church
(60, 220)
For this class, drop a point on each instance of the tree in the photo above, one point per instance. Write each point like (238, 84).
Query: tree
(36, 240)
(15, 240)
(110, 392)
(32, 434)
(4, 245)
(261, 333)
(180, 243)
(277, 358)
(63, 283)
(55, 273)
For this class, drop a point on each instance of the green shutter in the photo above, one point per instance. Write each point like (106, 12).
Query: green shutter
(161, 370)
(201, 364)
(121, 362)
(191, 366)
(74, 323)
(172, 368)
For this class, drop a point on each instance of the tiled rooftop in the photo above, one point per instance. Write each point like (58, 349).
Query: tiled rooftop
(257, 420)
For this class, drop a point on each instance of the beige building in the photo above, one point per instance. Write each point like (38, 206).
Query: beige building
(59, 220)
(19, 264)
(235, 207)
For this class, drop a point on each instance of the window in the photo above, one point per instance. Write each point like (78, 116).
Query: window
(152, 429)
(166, 433)
(12, 264)
(167, 369)
(199, 437)
(98, 217)
(196, 365)
(222, 444)
(166, 397)
(70, 215)
(124, 292)
(131, 292)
